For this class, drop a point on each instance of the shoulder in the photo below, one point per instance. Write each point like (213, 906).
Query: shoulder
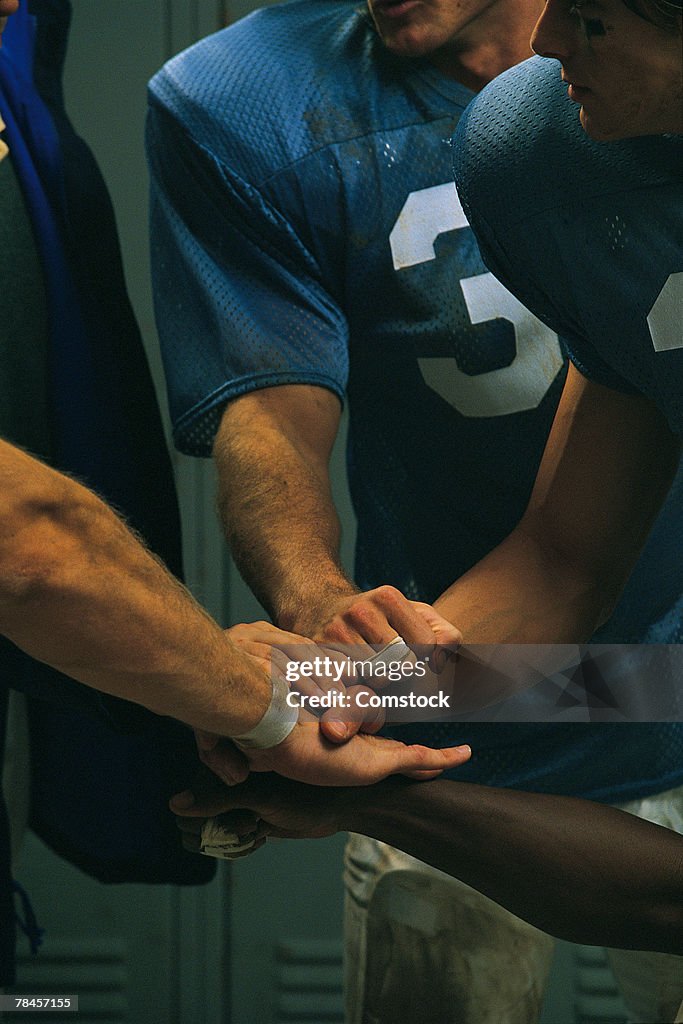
(274, 87)
(522, 99)
(520, 151)
(517, 138)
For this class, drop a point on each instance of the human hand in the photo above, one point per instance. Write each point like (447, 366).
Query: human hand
(306, 755)
(377, 617)
(266, 805)
(270, 648)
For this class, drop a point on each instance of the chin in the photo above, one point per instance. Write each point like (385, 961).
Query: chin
(407, 44)
(601, 130)
(417, 36)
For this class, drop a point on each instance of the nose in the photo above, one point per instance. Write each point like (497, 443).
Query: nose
(555, 31)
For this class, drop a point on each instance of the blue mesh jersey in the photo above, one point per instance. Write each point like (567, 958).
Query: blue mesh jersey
(305, 229)
(589, 235)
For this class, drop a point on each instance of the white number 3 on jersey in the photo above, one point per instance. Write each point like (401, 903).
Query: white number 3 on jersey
(665, 319)
(521, 385)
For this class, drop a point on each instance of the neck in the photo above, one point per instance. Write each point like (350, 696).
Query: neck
(494, 41)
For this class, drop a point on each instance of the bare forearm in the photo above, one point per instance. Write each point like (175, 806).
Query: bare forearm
(607, 467)
(282, 529)
(579, 870)
(79, 592)
(277, 510)
(529, 608)
(521, 594)
(576, 869)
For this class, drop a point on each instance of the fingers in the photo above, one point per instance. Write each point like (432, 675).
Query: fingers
(263, 639)
(338, 727)
(328, 673)
(276, 648)
(376, 617)
(207, 797)
(225, 761)
(444, 632)
(446, 637)
(307, 756)
(405, 618)
(202, 802)
(205, 741)
(418, 762)
(264, 633)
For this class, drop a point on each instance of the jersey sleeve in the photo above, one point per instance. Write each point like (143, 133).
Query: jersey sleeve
(240, 302)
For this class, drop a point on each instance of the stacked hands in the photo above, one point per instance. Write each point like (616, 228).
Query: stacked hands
(338, 748)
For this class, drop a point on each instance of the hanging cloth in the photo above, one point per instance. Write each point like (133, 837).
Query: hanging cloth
(98, 796)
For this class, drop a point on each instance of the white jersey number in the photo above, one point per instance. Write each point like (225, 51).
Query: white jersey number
(521, 385)
(665, 319)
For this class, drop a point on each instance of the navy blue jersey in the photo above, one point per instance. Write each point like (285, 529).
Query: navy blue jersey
(306, 230)
(588, 234)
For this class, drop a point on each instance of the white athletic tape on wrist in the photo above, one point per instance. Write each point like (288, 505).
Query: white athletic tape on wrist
(276, 724)
(218, 841)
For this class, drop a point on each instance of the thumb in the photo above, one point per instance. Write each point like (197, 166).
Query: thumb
(208, 797)
(206, 741)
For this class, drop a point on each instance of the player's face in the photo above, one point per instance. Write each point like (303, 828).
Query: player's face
(419, 28)
(625, 71)
(7, 7)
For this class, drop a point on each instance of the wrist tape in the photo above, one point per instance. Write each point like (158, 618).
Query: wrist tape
(219, 841)
(276, 724)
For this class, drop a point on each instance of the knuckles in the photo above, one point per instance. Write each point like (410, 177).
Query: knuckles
(364, 610)
(338, 631)
(361, 616)
(387, 596)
